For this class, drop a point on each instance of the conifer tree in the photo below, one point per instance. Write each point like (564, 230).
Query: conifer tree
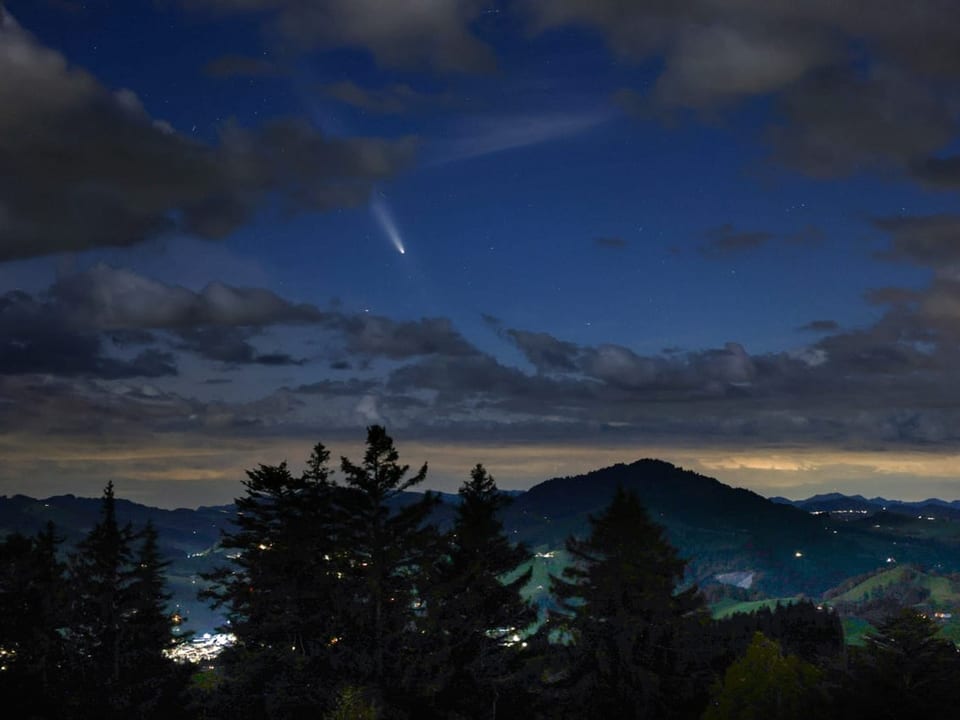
(281, 592)
(100, 582)
(32, 650)
(621, 616)
(156, 684)
(389, 545)
(149, 624)
(118, 626)
(904, 670)
(476, 616)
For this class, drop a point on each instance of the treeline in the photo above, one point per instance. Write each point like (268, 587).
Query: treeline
(347, 603)
(82, 633)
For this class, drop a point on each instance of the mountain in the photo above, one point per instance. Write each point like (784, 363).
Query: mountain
(720, 529)
(729, 535)
(853, 504)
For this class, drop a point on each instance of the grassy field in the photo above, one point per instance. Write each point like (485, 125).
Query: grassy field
(855, 629)
(944, 593)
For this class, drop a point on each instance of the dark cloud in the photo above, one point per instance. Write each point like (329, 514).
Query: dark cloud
(458, 380)
(430, 33)
(891, 296)
(838, 121)
(707, 372)
(109, 298)
(389, 100)
(116, 176)
(87, 321)
(889, 103)
(610, 242)
(820, 326)
(941, 172)
(36, 339)
(726, 240)
(229, 345)
(928, 240)
(380, 336)
(242, 66)
(339, 387)
(545, 352)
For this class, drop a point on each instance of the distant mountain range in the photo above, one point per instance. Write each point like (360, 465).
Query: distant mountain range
(773, 546)
(838, 503)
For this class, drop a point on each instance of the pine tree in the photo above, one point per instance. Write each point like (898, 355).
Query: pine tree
(475, 616)
(119, 626)
(904, 670)
(149, 624)
(282, 592)
(155, 682)
(100, 581)
(389, 545)
(32, 649)
(621, 616)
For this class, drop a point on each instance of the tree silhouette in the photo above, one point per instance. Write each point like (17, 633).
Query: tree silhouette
(474, 616)
(389, 544)
(100, 582)
(155, 682)
(904, 670)
(281, 592)
(32, 617)
(621, 616)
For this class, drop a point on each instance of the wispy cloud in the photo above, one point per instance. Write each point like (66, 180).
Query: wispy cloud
(483, 136)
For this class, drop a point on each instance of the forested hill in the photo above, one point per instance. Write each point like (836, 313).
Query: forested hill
(719, 529)
(784, 550)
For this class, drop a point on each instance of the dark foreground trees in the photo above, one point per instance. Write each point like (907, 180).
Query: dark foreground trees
(629, 634)
(281, 592)
(477, 619)
(346, 595)
(32, 614)
(85, 639)
(347, 602)
(765, 684)
(325, 593)
(904, 670)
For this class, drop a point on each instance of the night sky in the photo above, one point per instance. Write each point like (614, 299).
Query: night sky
(545, 235)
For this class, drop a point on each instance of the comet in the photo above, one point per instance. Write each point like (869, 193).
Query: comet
(381, 212)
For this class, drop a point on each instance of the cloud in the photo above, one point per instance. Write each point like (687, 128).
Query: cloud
(116, 176)
(109, 298)
(855, 84)
(715, 64)
(241, 66)
(545, 352)
(941, 172)
(393, 99)
(36, 339)
(229, 345)
(481, 136)
(88, 322)
(841, 120)
(351, 387)
(927, 240)
(375, 335)
(432, 34)
(726, 240)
